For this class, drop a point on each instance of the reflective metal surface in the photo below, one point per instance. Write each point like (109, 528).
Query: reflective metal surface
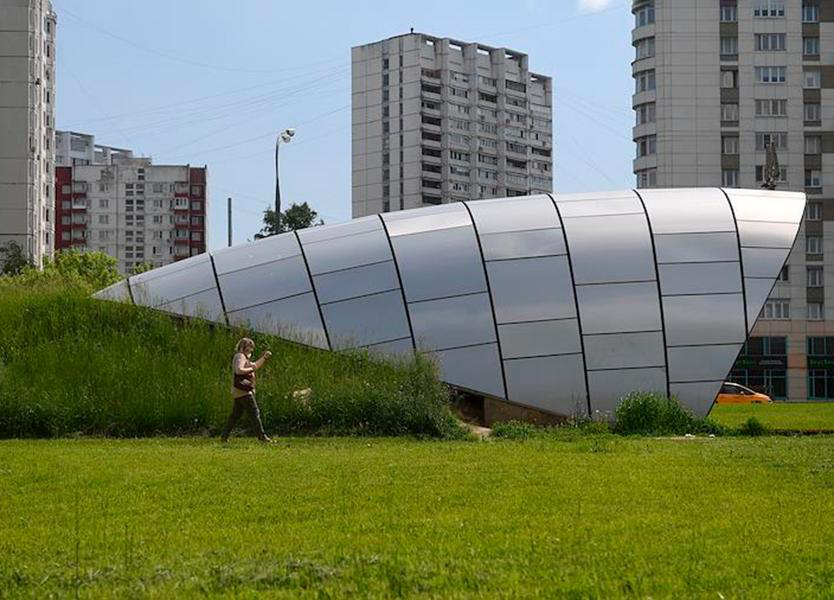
(493, 296)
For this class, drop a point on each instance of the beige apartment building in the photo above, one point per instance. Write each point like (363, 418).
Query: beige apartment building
(27, 125)
(715, 83)
(436, 120)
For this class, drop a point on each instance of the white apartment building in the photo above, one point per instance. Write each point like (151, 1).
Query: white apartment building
(715, 83)
(27, 125)
(76, 149)
(131, 209)
(436, 120)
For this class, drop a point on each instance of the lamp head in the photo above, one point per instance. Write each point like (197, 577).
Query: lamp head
(287, 135)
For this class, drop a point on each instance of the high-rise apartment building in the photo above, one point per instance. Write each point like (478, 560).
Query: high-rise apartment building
(76, 149)
(717, 82)
(129, 208)
(436, 120)
(27, 125)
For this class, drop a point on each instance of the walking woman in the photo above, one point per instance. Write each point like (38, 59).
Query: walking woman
(243, 389)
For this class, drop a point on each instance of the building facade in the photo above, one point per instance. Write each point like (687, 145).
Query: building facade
(135, 211)
(27, 125)
(715, 83)
(436, 120)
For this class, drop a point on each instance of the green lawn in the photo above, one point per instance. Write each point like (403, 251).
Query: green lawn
(779, 415)
(599, 516)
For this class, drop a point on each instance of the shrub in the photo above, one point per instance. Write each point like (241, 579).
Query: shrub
(648, 413)
(515, 430)
(753, 427)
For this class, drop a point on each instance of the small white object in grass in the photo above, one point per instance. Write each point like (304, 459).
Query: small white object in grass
(689, 435)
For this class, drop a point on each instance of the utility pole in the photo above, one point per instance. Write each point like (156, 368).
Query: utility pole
(229, 218)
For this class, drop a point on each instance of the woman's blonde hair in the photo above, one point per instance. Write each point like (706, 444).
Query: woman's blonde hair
(245, 343)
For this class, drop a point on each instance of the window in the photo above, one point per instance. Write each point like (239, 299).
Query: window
(783, 174)
(643, 48)
(813, 244)
(811, 79)
(729, 45)
(814, 277)
(488, 174)
(777, 310)
(644, 15)
(458, 124)
(769, 8)
(771, 108)
(459, 171)
(487, 143)
(729, 78)
(770, 41)
(813, 144)
(729, 112)
(812, 112)
(647, 178)
(779, 139)
(455, 108)
(770, 74)
(457, 138)
(104, 203)
(457, 155)
(729, 144)
(104, 219)
(815, 311)
(729, 178)
(728, 13)
(487, 97)
(646, 145)
(813, 178)
(810, 46)
(784, 274)
(813, 212)
(810, 12)
(461, 77)
(488, 128)
(645, 113)
(458, 92)
(490, 81)
(644, 81)
(487, 159)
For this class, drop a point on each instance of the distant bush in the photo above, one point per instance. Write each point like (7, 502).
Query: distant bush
(753, 427)
(70, 268)
(648, 413)
(70, 364)
(515, 430)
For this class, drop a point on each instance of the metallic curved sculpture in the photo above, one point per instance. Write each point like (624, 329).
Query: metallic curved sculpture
(560, 303)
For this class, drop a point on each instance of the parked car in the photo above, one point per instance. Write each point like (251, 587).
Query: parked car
(733, 393)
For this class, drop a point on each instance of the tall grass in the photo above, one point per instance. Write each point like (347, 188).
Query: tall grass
(70, 364)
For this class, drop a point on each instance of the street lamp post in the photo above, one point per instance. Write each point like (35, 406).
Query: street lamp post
(285, 136)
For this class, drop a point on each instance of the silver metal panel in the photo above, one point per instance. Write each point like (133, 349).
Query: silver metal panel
(475, 368)
(760, 205)
(539, 338)
(522, 244)
(531, 289)
(270, 281)
(396, 349)
(295, 318)
(757, 291)
(682, 210)
(701, 278)
(607, 387)
(440, 263)
(356, 282)
(624, 350)
(696, 247)
(595, 241)
(513, 214)
(329, 232)
(118, 292)
(625, 204)
(157, 287)
(552, 383)
(763, 262)
(346, 252)
(205, 305)
(367, 320)
(767, 235)
(419, 220)
(701, 363)
(697, 397)
(452, 322)
(704, 319)
(243, 256)
(619, 307)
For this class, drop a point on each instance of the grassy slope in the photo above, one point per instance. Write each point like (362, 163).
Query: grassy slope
(780, 416)
(595, 517)
(72, 364)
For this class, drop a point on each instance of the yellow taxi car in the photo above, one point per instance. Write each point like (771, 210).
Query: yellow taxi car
(733, 393)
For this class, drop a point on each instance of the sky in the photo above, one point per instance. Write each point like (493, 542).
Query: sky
(210, 82)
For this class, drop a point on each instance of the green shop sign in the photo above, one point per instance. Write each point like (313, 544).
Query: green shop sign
(821, 362)
(761, 362)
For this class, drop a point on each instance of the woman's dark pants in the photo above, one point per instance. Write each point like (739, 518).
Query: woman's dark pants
(245, 404)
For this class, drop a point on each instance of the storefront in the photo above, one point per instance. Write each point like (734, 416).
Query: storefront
(763, 366)
(820, 357)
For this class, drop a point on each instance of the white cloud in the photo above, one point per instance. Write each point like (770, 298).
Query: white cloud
(590, 6)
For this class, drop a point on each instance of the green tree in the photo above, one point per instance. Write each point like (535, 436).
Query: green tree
(13, 259)
(141, 268)
(297, 216)
(94, 268)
